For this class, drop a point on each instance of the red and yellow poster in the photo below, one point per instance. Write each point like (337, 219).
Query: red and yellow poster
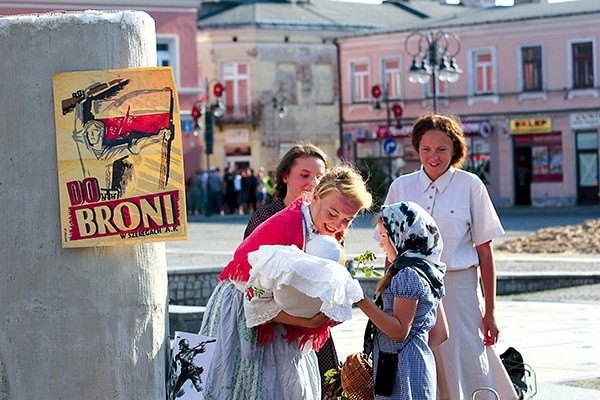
(120, 159)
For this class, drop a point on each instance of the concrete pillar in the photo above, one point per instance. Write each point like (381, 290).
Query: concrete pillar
(74, 323)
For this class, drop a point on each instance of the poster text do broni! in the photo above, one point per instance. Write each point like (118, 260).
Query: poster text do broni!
(130, 218)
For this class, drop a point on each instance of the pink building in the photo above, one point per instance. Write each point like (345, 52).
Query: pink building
(175, 44)
(528, 96)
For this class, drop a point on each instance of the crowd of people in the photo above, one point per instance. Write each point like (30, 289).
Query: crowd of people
(432, 327)
(232, 191)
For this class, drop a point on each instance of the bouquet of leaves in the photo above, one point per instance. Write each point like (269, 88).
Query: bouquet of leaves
(332, 388)
(362, 265)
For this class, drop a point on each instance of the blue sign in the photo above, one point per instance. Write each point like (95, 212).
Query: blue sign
(186, 126)
(390, 145)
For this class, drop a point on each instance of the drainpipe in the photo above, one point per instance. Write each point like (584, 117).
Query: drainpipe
(340, 103)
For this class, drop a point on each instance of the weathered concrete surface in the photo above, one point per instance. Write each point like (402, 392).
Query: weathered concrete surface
(75, 323)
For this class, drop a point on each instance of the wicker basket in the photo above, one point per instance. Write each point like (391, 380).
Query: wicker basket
(357, 377)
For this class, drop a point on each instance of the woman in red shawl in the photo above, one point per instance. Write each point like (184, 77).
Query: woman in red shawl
(268, 362)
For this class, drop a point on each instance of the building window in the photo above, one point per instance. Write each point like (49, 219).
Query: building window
(484, 72)
(236, 78)
(360, 81)
(532, 68)
(166, 54)
(163, 56)
(583, 65)
(391, 72)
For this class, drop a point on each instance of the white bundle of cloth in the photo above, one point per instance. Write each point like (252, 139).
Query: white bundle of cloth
(287, 278)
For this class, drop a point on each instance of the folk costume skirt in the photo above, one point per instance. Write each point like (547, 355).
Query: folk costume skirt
(463, 363)
(243, 370)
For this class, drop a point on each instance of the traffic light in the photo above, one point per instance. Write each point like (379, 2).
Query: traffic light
(209, 137)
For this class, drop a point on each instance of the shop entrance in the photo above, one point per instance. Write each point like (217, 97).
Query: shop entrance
(588, 190)
(523, 176)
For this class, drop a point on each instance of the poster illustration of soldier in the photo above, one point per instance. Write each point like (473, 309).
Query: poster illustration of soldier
(120, 158)
(190, 362)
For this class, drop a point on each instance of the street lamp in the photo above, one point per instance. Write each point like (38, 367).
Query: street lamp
(432, 57)
(378, 91)
(280, 111)
(280, 107)
(209, 111)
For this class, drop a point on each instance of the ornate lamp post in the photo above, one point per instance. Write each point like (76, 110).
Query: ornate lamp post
(433, 57)
(209, 111)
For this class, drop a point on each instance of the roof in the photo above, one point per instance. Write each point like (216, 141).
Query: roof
(479, 16)
(320, 14)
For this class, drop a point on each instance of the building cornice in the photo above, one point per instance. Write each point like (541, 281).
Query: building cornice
(178, 6)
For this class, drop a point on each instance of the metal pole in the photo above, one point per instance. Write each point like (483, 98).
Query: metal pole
(433, 62)
(389, 122)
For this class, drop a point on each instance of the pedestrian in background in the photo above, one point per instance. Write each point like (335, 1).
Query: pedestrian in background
(252, 183)
(408, 315)
(215, 191)
(261, 363)
(194, 193)
(462, 209)
(261, 189)
(270, 186)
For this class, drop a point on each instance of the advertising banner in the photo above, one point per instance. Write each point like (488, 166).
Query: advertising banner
(120, 159)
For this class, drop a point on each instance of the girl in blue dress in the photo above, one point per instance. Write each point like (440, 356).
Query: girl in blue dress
(408, 316)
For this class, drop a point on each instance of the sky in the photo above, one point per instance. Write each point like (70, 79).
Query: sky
(498, 2)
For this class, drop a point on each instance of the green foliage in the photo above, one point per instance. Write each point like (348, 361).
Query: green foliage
(367, 257)
(333, 385)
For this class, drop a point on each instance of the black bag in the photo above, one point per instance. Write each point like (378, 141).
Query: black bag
(387, 365)
(513, 363)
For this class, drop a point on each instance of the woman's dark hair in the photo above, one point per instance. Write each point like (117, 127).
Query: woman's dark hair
(451, 126)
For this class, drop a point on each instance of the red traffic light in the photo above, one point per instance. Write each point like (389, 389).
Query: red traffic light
(195, 112)
(376, 91)
(397, 110)
(218, 89)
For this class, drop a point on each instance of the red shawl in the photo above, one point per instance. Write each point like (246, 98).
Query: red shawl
(283, 228)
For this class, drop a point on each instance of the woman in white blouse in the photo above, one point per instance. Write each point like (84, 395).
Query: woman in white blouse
(461, 207)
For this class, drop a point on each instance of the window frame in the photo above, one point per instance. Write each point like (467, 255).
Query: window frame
(490, 87)
(363, 83)
(394, 90)
(172, 41)
(572, 64)
(538, 65)
(232, 95)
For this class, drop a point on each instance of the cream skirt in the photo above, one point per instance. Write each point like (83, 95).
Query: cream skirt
(463, 363)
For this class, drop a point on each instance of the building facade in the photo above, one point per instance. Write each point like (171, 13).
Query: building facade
(279, 66)
(528, 96)
(175, 22)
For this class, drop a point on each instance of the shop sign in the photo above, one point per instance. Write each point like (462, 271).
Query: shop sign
(585, 120)
(361, 135)
(530, 125)
(237, 136)
(482, 128)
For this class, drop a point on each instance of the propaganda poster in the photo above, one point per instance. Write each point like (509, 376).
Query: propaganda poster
(120, 159)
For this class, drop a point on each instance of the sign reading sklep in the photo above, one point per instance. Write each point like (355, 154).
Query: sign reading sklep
(120, 159)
